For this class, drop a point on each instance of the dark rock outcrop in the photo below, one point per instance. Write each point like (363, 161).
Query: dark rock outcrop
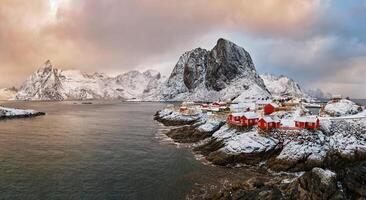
(354, 181)
(315, 184)
(199, 72)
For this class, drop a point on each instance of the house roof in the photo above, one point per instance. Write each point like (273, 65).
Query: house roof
(239, 114)
(248, 115)
(263, 102)
(271, 119)
(242, 106)
(251, 115)
(274, 105)
(311, 119)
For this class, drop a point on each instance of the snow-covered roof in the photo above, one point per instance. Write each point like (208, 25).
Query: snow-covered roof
(274, 105)
(263, 102)
(242, 106)
(311, 119)
(271, 119)
(237, 114)
(250, 115)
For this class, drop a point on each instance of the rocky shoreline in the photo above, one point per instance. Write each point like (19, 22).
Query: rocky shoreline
(336, 147)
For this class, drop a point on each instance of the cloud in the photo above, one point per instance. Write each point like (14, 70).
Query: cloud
(305, 39)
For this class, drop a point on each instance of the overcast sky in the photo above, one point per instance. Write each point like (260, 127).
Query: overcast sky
(319, 43)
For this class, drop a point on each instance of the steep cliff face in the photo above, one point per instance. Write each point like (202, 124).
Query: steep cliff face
(225, 72)
(49, 83)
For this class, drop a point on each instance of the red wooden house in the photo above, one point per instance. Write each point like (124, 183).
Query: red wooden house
(269, 122)
(270, 108)
(308, 122)
(243, 119)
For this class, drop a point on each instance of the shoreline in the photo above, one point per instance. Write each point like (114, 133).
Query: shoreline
(215, 151)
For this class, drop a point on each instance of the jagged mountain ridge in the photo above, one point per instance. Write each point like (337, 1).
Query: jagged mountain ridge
(49, 83)
(225, 72)
(283, 86)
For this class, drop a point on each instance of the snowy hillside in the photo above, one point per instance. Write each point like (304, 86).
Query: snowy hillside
(7, 93)
(341, 108)
(282, 86)
(49, 83)
(225, 72)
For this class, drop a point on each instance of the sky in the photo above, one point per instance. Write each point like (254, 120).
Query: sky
(319, 43)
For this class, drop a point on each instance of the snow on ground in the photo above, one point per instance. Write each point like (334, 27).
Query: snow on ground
(326, 176)
(345, 137)
(244, 142)
(8, 112)
(355, 116)
(342, 107)
(210, 125)
(306, 145)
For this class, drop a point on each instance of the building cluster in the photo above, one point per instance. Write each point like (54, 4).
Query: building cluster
(249, 114)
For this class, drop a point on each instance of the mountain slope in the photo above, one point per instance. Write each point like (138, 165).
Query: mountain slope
(282, 86)
(225, 72)
(49, 83)
(7, 93)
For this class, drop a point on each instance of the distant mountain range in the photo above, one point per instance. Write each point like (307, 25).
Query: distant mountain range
(225, 72)
(49, 83)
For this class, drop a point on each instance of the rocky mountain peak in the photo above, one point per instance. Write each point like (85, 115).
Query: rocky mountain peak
(45, 68)
(282, 86)
(152, 74)
(226, 62)
(214, 74)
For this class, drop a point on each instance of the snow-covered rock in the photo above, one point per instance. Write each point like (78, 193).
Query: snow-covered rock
(342, 107)
(225, 72)
(49, 83)
(13, 112)
(7, 93)
(282, 86)
(244, 142)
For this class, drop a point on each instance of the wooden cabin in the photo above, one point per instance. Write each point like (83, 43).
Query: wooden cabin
(270, 108)
(307, 122)
(269, 122)
(243, 119)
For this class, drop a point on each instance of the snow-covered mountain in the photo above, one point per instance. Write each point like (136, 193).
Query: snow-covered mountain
(282, 86)
(49, 83)
(225, 72)
(7, 93)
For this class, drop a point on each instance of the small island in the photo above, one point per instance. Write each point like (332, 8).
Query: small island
(11, 113)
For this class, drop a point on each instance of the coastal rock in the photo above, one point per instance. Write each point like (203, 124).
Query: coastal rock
(337, 145)
(230, 146)
(9, 113)
(191, 134)
(354, 181)
(172, 118)
(315, 184)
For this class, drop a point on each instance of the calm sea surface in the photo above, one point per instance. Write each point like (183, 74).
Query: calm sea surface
(107, 150)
